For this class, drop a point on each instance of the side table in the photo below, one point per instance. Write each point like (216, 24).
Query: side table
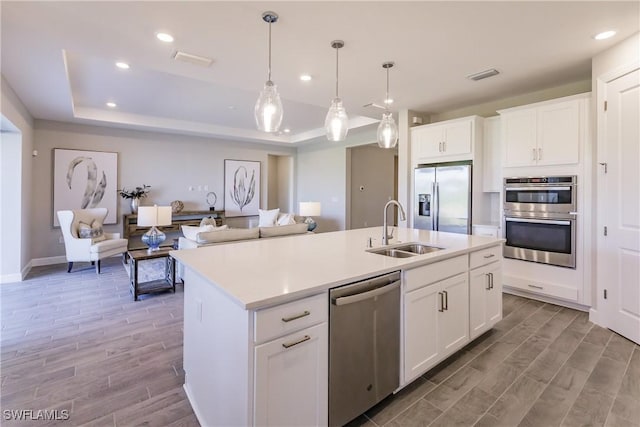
(153, 286)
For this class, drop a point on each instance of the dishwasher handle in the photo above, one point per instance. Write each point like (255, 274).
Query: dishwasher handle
(366, 295)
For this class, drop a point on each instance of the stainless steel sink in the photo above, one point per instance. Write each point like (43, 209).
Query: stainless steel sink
(418, 248)
(393, 253)
(406, 250)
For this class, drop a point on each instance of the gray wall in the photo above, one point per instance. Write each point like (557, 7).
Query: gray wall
(169, 163)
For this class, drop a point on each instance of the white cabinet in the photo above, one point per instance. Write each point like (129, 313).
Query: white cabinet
(485, 289)
(444, 141)
(545, 133)
(291, 379)
(492, 160)
(436, 317)
(485, 230)
(485, 298)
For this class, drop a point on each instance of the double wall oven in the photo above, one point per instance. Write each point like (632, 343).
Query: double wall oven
(540, 219)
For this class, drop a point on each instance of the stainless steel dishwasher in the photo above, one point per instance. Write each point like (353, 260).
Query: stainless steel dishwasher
(364, 345)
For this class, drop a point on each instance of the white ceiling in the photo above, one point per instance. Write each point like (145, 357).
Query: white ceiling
(59, 57)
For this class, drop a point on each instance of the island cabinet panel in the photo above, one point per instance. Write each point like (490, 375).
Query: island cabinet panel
(291, 379)
(436, 322)
(485, 298)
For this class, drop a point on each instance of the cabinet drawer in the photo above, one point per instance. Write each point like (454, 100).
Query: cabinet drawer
(283, 319)
(485, 230)
(421, 276)
(485, 256)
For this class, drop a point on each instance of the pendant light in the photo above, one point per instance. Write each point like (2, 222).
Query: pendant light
(387, 130)
(268, 109)
(336, 124)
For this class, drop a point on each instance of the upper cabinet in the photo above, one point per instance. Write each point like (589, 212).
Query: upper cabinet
(545, 133)
(492, 160)
(451, 140)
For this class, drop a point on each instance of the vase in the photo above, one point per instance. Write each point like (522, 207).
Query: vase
(135, 202)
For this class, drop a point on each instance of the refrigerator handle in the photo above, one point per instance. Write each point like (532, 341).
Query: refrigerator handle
(433, 206)
(437, 210)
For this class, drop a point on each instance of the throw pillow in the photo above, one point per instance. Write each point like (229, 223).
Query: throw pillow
(267, 218)
(91, 231)
(208, 221)
(191, 231)
(286, 219)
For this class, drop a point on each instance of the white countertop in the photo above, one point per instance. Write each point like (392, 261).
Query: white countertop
(263, 272)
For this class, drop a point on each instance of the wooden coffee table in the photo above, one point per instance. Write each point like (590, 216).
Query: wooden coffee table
(153, 286)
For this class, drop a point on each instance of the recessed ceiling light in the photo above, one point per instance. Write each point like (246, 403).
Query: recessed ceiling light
(164, 37)
(122, 65)
(305, 77)
(604, 35)
(388, 101)
(287, 130)
(112, 104)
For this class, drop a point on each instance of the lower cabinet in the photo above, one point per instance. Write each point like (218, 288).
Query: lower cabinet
(436, 323)
(485, 298)
(291, 379)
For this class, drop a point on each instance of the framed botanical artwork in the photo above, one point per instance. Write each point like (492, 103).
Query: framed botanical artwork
(85, 179)
(241, 188)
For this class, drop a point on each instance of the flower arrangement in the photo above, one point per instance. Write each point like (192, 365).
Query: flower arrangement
(137, 193)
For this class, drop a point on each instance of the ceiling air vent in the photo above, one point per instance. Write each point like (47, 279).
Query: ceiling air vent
(193, 59)
(483, 74)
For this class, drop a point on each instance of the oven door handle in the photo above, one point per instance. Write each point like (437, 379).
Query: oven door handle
(538, 221)
(537, 188)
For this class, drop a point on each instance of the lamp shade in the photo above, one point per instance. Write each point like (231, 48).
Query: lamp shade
(310, 209)
(149, 216)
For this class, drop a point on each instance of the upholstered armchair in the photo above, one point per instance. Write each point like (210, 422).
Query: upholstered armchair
(84, 239)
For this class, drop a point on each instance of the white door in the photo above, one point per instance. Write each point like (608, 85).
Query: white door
(421, 309)
(559, 133)
(519, 138)
(454, 322)
(457, 139)
(479, 286)
(291, 377)
(494, 295)
(619, 202)
(428, 141)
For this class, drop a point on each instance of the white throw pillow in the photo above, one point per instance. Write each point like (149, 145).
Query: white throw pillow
(286, 219)
(208, 221)
(267, 218)
(191, 231)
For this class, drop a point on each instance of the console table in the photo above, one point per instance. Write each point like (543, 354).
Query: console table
(133, 232)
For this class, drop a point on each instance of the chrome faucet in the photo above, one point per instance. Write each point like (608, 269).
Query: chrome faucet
(385, 231)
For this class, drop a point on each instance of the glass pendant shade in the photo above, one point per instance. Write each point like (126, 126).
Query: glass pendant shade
(387, 131)
(336, 124)
(268, 109)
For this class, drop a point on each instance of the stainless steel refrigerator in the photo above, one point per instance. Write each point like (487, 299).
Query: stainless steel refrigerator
(443, 197)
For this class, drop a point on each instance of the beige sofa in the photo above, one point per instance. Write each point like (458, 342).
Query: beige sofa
(229, 235)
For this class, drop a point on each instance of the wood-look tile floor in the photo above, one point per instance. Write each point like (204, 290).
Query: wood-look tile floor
(78, 343)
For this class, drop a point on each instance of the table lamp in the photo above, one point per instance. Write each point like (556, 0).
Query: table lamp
(310, 209)
(153, 216)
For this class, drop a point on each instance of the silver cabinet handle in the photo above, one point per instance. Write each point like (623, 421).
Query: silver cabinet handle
(444, 146)
(441, 309)
(534, 154)
(491, 281)
(297, 316)
(489, 256)
(488, 282)
(439, 147)
(535, 287)
(446, 300)
(539, 153)
(300, 341)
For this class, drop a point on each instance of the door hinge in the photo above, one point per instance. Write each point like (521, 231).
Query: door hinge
(605, 105)
(605, 294)
(605, 230)
(605, 166)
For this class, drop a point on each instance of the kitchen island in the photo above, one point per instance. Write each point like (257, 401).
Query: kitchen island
(256, 313)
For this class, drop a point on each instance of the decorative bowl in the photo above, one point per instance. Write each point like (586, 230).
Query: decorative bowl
(176, 206)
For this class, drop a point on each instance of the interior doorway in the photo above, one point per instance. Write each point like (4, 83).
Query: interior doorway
(280, 183)
(372, 181)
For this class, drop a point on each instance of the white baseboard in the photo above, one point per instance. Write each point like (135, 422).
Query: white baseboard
(10, 278)
(543, 298)
(36, 262)
(594, 317)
